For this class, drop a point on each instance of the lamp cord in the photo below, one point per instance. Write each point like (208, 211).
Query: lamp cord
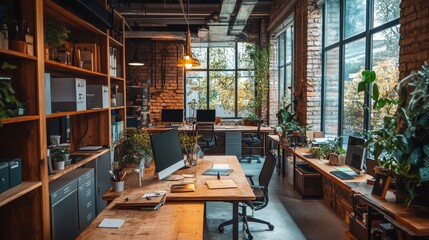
(183, 11)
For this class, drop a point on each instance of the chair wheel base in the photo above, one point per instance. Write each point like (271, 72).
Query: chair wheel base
(271, 226)
(220, 229)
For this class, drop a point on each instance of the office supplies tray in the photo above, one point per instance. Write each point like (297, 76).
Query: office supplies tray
(214, 172)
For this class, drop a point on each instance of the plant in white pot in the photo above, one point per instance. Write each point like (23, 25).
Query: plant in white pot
(58, 157)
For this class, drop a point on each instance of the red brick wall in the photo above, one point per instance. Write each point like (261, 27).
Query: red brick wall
(414, 40)
(171, 94)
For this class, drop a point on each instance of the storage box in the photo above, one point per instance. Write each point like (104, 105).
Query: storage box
(68, 94)
(308, 181)
(98, 96)
(14, 172)
(4, 176)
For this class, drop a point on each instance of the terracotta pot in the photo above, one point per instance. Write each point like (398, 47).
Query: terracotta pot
(18, 45)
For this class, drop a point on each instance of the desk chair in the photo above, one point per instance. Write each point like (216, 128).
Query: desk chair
(261, 201)
(252, 141)
(208, 139)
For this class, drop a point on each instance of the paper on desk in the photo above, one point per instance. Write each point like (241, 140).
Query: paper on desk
(154, 194)
(220, 166)
(111, 223)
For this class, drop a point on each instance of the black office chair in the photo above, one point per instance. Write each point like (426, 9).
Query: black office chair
(252, 141)
(261, 201)
(208, 139)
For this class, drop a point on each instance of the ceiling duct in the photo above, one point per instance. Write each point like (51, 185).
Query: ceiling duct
(243, 14)
(227, 9)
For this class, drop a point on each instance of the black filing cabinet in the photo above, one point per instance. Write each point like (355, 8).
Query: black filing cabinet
(102, 165)
(86, 195)
(64, 209)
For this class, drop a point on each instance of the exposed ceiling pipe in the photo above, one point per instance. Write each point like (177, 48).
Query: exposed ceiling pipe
(245, 9)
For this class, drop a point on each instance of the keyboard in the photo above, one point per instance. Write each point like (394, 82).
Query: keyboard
(341, 175)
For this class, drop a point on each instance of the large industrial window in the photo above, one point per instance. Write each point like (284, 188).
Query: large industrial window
(285, 64)
(223, 82)
(357, 35)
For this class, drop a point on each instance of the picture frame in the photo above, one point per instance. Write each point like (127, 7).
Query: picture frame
(381, 184)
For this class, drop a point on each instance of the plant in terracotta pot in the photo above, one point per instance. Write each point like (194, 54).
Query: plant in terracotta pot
(55, 36)
(332, 151)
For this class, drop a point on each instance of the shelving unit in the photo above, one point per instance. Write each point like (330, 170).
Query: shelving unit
(138, 104)
(24, 209)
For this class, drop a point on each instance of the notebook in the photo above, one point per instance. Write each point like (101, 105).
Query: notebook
(111, 223)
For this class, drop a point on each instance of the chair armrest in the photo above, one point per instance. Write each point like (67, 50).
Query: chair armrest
(257, 187)
(250, 177)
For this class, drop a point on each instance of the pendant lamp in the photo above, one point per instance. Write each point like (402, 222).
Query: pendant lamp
(135, 61)
(188, 60)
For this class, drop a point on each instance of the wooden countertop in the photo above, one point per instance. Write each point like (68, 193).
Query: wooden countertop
(414, 219)
(218, 128)
(174, 220)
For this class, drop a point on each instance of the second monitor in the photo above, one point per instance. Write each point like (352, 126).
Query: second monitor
(172, 115)
(206, 115)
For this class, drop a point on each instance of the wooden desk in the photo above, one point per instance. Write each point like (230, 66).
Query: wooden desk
(223, 129)
(164, 223)
(414, 220)
(202, 192)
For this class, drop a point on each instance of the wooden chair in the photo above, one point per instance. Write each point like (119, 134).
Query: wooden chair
(261, 201)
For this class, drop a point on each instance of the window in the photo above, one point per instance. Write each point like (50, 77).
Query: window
(357, 36)
(223, 82)
(285, 66)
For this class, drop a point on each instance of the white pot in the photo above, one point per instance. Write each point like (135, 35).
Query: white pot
(118, 186)
(59, 165)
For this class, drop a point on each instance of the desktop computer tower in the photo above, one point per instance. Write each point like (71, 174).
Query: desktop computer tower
(68, 94)
(308, 181)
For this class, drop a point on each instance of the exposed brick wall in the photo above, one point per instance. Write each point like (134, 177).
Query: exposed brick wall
(300, 63)
(414, 31)
(169, 94)
(273, 98)
(314, 67)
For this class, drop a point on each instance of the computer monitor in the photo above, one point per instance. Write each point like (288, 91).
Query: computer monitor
(172, 115)
(167, 152)
(206, 115)
(355, 156)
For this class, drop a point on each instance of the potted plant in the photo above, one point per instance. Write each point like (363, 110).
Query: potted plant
(251, 120)
(133, 148)
(8, 102)
(55, 36)
(332, 151)
(58, 157)
(189, 143)
(401, 144)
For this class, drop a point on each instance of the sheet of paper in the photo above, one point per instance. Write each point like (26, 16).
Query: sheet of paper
(111, 223)
(226, 183)
(220, 166)
(154, 194)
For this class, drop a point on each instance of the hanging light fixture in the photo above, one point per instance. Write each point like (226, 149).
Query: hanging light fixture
(188, 60)
(136, 61)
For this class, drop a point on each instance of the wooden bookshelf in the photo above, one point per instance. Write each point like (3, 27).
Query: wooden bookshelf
(25, 209)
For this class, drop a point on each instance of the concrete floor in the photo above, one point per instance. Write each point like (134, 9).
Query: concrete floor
(292, 217)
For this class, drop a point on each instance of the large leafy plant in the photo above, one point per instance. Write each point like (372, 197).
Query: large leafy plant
(402, 143)
(133, 146)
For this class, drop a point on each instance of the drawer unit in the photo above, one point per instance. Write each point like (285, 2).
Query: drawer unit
(233, 143)
(308, 181)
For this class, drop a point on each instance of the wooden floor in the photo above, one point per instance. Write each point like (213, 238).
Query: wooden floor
(292, 217)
